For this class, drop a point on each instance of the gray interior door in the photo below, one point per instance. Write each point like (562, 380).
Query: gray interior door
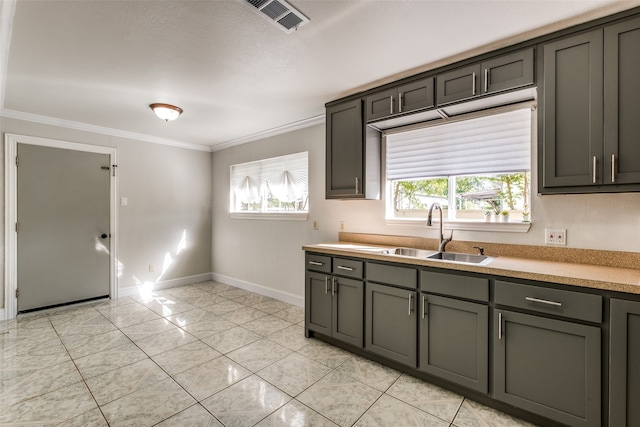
(64, 217)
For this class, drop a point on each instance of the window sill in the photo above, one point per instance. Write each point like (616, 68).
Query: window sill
(506, 227)
(271, 216)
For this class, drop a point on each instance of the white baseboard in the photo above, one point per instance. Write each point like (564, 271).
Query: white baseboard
(259, 289)
(165, 284)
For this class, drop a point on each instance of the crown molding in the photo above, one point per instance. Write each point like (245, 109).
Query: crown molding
(301, 124)
(69, 124)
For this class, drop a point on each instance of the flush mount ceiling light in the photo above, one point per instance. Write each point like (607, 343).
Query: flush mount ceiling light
(166, 111)
(280, 13)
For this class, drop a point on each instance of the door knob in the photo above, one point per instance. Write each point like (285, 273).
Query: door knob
(104, 236)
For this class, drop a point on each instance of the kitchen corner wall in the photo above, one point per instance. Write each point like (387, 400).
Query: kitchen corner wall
(268, 253)
(169, 199)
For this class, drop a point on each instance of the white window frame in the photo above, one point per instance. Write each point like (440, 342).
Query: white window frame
(267, 215)
(457, 224)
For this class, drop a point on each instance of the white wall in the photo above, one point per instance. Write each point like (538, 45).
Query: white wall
(268, 253)
(169, 195)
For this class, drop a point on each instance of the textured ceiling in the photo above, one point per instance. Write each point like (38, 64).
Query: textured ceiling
(101, 62)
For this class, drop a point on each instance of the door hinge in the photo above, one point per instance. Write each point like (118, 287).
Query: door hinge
(17, 292)
(17, 161)
(114, 169)
(17, 227)
(105, 168)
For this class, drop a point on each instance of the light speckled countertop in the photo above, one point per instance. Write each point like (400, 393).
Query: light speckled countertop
(605, 277)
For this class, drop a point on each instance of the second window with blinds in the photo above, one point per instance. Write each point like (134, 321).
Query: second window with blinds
(276, 188)
(477, 169)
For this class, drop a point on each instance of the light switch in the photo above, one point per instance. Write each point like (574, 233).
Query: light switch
(124, 201)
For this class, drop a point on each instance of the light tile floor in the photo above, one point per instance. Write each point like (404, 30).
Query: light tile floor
(205, 355)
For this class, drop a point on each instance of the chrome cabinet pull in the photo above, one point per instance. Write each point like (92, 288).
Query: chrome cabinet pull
(333, 287)
(499, 326)
(326, 285)
(400, 102)
(424, 306)
(486, 80)
(473, 88)
(544, 301)
(316, 263)
(613, 168)
(595, 162)
(410, 305)
(391, 105)
(341, 267)
(357, 185)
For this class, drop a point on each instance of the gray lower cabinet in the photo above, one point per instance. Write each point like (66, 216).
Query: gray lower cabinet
(454, 341)
(548, 366)
(334, 307)
(391, 323)
(624, 369)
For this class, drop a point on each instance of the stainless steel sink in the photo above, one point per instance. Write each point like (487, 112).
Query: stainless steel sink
(411, 252)
(461, 258)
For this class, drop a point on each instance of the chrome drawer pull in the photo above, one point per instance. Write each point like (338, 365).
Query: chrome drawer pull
(340, 267)
(424, 306)
(316, 263)
(499, 326)
(326, 285)
(410, 305)
(544, 301)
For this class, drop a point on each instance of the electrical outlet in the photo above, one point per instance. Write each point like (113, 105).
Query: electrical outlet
(555, 236)
(342, 225)
(315, 224)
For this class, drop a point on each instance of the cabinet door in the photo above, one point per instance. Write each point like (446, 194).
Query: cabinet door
(622, 103)
(548, 367)
(508, 72)
(454, 341)
(458, 84)
(624, 369)
(572, 112)
(317, 313)
(344, 163)
(391, 326)
(381, 105)
(347, 308)
(415, 96)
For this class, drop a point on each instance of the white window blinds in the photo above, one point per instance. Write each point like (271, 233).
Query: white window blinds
(490, 144)
(287, 178)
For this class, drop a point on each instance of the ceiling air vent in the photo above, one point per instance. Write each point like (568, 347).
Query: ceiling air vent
(280, 13)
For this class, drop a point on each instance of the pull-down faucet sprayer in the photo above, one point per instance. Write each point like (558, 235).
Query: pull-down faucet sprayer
(442, 242)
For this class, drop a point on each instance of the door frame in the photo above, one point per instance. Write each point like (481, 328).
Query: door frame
(11, 213)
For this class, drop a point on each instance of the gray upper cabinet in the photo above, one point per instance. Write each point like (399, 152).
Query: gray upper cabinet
(353, 154)
(459, 84)
(590, 131)
(621, 156)
(404, 99)
(454, 341)
(508, 72)
(505, 72)
(624, 369)
(572, 111)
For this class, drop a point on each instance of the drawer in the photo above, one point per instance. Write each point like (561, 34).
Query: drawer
(392, 275)
(348, 268)
(559, 302)
(318, 263)
(473, 288)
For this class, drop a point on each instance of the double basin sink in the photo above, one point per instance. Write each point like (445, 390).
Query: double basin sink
(440, 256)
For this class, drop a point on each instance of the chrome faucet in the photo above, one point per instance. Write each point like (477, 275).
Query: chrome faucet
(442, 242)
